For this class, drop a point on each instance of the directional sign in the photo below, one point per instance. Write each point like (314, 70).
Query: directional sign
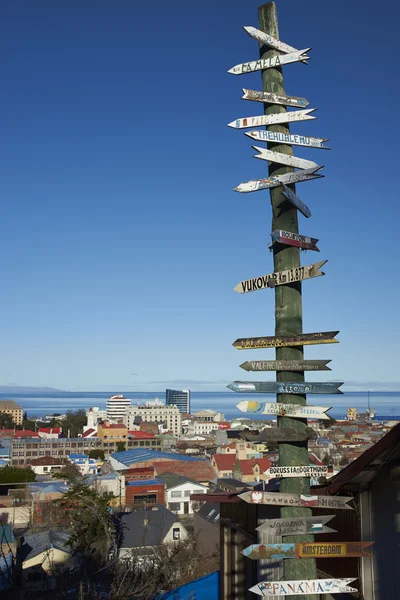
(264, 184)
(295, 239)
(278, 434)
(261, 135)
(297, 526)
(280, 387)
(284, 159)
(287, 117)
(284, 410)
(295, 200)
(302, 586)
(308, 550)
(274, 98)
(286, 365)
(280, 278)
(274, 341)
(268, 40)
(279, 499)
(297, 471)
(273, 62)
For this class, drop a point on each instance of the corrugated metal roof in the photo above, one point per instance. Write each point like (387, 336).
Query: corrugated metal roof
(128, 457)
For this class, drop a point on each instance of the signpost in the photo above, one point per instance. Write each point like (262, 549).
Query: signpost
(274, 98)
(295, 200)
(294, 239)
(277, 137)
(286, 365)
(273, 62)
(308, 550)
(278, 434)
(264, 184)
(269, 40)
(281, 499)
(280, 278)
(299, 471)
(284, 409)
(284, 159)
(297, 526)
(287, 117)
(304, 586)
(277, 341)
(282, 387)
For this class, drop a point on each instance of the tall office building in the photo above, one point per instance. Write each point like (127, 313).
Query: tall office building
(178, 398)
(116, 408)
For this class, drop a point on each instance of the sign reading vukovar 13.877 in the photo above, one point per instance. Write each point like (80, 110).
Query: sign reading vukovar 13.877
(280, 278)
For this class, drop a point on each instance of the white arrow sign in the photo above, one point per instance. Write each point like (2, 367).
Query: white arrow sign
(274, 98)
(270, 63)
(262, 135)
(268, 40)
(263, 184)
(280, 278)
(287, 117)
(302, 586)
(297, 471)
(297, 526)
(284, 159)
(284, 410)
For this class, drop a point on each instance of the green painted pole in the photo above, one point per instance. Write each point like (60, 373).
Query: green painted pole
(288, 305)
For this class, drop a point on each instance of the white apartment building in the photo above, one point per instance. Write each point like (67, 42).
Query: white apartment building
(201, 427)
(117, 407)
(209, 415)
(169, 415)
(178, 497)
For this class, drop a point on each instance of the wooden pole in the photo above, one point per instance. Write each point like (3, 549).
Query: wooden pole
(288, 305)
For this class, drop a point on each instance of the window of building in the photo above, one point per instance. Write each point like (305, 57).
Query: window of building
(145, 499)
(141, 444)
(176, 494)
(176, 533)
(174, 506)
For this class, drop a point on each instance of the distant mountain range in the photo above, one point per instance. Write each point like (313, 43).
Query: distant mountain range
(26, 389)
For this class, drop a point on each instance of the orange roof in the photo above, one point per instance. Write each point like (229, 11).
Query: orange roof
(114, 426)
(49, 430)
(225, 462)
(247, 465)
(199, 470)
(143, 435)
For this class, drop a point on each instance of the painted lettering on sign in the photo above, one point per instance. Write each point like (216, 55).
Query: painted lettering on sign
(300, 587)
(263, 135)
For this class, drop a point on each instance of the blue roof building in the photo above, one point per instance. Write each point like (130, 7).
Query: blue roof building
(122, 460)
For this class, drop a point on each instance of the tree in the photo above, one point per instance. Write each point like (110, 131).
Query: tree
(73, 422)
(16, 475)
(69, 471)
(121, 446)
(25, 416)
(97, 454)
(6, 421)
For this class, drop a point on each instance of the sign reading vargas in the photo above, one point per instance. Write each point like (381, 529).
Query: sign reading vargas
(281, 387)
(287, 117)
(264, 184)
(261, 135)
(284, 159)
(284, 410)
(300, 587)
(297, 471)
(268, 40)
(272, 62)
(275, 341)
(295, 239)
(308, 550)
(274, 98)
(280, 278)
(278, 434)
(286, 365)
(297, 526)
(279, 499)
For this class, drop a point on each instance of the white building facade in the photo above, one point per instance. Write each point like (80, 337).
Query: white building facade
(178, 497)
(201, 427)
(117, 407)
(169, 415)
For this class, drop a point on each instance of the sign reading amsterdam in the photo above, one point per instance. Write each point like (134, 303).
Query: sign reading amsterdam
(281, 387)
(297, 526)
(297, 471)
(286, 365)
(308, 550)
(261, 135)
(287, 117)
(283, 159)
(284, 409)
(280, 278)
(274, 98)
(274, 341)
(300, 587)
(272, 62)
(294, 239)
(264, 184)
(279, 499)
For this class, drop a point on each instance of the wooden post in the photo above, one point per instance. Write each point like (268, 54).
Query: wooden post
(288, 305)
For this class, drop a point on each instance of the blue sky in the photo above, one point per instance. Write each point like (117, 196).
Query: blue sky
(121, 238)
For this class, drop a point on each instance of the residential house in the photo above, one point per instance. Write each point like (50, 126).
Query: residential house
(135, 474)
(49, 433)
(45, 465)
(252, 469)
(207, 530)
(140, 531)
(85, 465)
(242, 450)
(145, 492)
(223, 464)
(108, 483)
(179, 489)
(41, 556)
(112, 436)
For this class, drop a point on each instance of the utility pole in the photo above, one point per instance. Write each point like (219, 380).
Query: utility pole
(288, 308)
